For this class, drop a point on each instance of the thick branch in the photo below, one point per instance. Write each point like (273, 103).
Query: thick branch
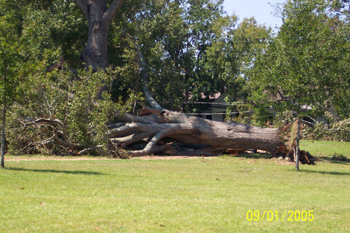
(57, 123)
(145, 80)
(82, 4)
(67, 144)
(123, 131)
(164, 130)
(125, 141)
(112, 11)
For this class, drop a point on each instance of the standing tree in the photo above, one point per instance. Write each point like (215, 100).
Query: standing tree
(8, 69)
(300, 70)
(99, 17)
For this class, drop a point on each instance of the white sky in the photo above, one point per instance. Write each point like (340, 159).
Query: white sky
(261, 10)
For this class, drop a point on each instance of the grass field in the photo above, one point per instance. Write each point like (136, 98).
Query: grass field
(179, 195)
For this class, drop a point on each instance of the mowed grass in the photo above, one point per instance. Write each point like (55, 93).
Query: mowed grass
(182, 195)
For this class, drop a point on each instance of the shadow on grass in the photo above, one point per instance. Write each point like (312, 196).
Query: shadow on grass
(338, 160)
(254, 156)
(327, 173)
(56, 171)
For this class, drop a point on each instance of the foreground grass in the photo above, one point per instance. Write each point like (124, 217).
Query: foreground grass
(186, 195)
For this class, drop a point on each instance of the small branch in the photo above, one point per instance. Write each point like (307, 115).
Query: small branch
(37, 144)
(90, 149)
(54, 123)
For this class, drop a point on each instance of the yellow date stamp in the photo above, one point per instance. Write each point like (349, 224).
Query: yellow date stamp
(287, 215)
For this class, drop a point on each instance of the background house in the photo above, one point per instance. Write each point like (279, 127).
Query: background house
(212, 107)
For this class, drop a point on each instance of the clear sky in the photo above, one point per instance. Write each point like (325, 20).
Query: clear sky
(261, 10)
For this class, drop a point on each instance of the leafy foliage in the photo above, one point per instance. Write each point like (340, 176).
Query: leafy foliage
(75, 102)
(335, 131)
(304, 68)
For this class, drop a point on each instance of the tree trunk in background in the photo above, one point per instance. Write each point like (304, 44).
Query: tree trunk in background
(99, 16)
(3, 137)
(95, 54)
(3, 134)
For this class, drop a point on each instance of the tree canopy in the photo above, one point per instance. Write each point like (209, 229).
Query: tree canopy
(305, 68)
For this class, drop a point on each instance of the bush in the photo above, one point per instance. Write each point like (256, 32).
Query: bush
(340, 131)
(335, 131)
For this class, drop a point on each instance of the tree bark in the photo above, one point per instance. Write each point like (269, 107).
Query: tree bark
(3, 132)
(3, 137)
(99, 16)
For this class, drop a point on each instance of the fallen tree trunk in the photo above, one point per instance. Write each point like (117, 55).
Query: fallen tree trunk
(154, 125)
(194, 130)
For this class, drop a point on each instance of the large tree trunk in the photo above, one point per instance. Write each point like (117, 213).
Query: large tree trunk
(99, 16)
(193, 130)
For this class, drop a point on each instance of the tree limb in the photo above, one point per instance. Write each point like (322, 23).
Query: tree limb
(82, 4)
(123, 131)
(54, 123)
(67, 144)
(90, 149)
(123, 142)
(112, 11)
(145, 80)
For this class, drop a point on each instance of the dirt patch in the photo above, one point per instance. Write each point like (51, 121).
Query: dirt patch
(58, 158)
(284, 162)
(158, 157)
(49, 158)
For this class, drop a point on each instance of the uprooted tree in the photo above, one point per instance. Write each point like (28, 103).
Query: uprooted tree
(158, 130)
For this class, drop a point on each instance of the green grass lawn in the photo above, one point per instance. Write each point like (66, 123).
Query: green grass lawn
(183, 195)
